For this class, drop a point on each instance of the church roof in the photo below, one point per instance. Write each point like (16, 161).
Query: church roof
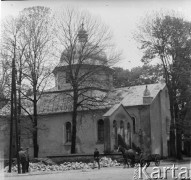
(60, 101)
(133, 96)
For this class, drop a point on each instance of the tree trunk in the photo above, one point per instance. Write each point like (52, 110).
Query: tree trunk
(74, 117)
(172, 124)
(35, 143)
(19, 106)
(179, 145)
(35, 124)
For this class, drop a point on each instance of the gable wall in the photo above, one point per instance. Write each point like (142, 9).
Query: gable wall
(145, 126)
(120, 115)
(160, 112)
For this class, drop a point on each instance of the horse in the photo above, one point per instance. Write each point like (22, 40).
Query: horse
(128, 155)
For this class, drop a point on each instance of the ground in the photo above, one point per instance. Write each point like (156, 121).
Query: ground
(110, 173)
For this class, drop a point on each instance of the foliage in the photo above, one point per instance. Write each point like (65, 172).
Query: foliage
(147, 74)
(168, 38)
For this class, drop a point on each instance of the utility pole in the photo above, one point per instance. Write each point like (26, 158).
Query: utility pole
(16, 119)
(14, 112)
(15, 108)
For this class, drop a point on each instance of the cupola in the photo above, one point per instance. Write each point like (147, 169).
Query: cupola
(82, 34)
(147, 99)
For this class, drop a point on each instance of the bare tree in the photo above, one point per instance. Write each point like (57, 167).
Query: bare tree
(83, 42)
(10, 53)
(31, 43)
(37, 33)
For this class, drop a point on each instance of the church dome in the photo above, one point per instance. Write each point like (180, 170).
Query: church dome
(96, 57)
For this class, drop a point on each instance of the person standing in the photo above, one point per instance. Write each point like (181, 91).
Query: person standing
(23, 159)
(27, 159)
(96, 157)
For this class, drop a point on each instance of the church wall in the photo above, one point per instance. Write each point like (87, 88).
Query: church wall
(145, 135)
(87, 132)
(52, 137)
(4, 138)
(160, 113)
(156, 126)
(165, 115)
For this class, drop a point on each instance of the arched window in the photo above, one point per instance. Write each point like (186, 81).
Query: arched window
(115, 131)
(68, 132)
(133, 118)
(67, 77)
(100, 130)
(128, 126)
(122, 131)
(129, 134)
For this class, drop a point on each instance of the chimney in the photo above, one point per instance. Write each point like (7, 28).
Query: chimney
(147, 99)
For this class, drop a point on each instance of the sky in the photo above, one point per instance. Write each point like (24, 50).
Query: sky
(122, 16)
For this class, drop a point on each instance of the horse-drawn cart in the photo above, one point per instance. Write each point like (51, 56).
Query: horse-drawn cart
(132, 157)
(147, 159)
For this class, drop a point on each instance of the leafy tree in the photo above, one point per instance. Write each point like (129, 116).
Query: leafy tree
(168, 38)
(147, 74)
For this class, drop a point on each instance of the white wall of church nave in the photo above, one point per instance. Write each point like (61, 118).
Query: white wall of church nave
(52, 141)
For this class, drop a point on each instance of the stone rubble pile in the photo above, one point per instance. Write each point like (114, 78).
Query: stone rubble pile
(40, 166)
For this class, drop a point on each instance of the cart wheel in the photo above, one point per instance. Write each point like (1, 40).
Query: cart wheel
(157, 162)
(132, 165)
(142, 162)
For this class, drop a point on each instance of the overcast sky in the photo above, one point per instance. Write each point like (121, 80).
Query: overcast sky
(122, 17)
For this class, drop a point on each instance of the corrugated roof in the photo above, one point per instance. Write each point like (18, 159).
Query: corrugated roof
(56, 102)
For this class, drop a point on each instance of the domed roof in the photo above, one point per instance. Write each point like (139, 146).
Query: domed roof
(97, 57)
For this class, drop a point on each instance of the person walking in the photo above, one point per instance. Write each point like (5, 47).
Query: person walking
(27, 159)
(23, 159)
(96, 157)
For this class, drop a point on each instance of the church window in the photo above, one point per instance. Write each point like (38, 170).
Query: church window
(128, 126)
(68, 132)
(67, 77)
(115, 131)
(134, 130)
(100, 130)
(129, 133)
(122, 132)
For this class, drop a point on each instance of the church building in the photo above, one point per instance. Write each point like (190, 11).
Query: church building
(139, 115)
